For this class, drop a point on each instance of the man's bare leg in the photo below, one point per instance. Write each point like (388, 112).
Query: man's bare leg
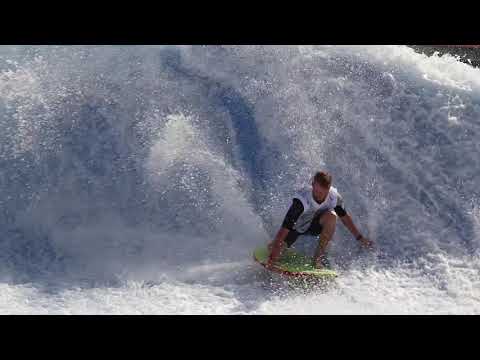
(328, 221)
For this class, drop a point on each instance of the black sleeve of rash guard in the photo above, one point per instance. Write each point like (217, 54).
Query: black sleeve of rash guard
(293, 214)
(340, 211)
(340, 208)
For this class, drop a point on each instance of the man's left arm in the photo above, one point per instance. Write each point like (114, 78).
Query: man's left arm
(348, 222)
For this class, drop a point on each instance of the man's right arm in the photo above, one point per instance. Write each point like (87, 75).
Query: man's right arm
(278, 245)
(296, 209)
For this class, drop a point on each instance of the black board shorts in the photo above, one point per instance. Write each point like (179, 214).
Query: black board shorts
(314, 229)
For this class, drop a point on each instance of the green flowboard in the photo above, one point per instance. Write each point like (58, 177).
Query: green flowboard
(293, 264)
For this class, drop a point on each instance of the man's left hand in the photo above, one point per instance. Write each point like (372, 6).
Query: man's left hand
(366, 242)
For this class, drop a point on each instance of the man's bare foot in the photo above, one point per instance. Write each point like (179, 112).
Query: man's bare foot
(321, 262)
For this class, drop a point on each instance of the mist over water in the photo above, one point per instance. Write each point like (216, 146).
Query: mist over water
(139, 179)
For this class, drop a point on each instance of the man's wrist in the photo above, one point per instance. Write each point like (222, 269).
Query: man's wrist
(359, 237)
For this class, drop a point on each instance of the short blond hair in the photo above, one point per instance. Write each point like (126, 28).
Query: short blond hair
(323, 178)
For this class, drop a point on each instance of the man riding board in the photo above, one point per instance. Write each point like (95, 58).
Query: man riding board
(314, 212)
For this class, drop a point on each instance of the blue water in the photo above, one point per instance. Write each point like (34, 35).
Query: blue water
(153, 171)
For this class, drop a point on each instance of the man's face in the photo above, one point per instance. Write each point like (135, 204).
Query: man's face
(319, 192)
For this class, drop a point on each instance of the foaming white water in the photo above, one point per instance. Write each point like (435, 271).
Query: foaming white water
(393, 291)
(139, 180)
(168, 299)
(211, 184)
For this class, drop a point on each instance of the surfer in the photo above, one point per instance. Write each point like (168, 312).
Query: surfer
(314, 212)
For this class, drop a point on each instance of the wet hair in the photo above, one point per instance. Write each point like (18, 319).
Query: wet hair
(323, 178)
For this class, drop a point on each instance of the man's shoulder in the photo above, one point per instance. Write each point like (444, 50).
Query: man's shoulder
(303, 195)
(338, 197)
(335, 191)
(302, 192)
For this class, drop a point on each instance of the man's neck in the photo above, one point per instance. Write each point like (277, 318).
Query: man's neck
(317, 201)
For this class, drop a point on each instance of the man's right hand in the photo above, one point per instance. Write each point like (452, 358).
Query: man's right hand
(269, 264)
(270, 247)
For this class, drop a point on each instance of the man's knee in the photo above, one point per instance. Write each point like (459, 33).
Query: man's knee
(328, 219)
